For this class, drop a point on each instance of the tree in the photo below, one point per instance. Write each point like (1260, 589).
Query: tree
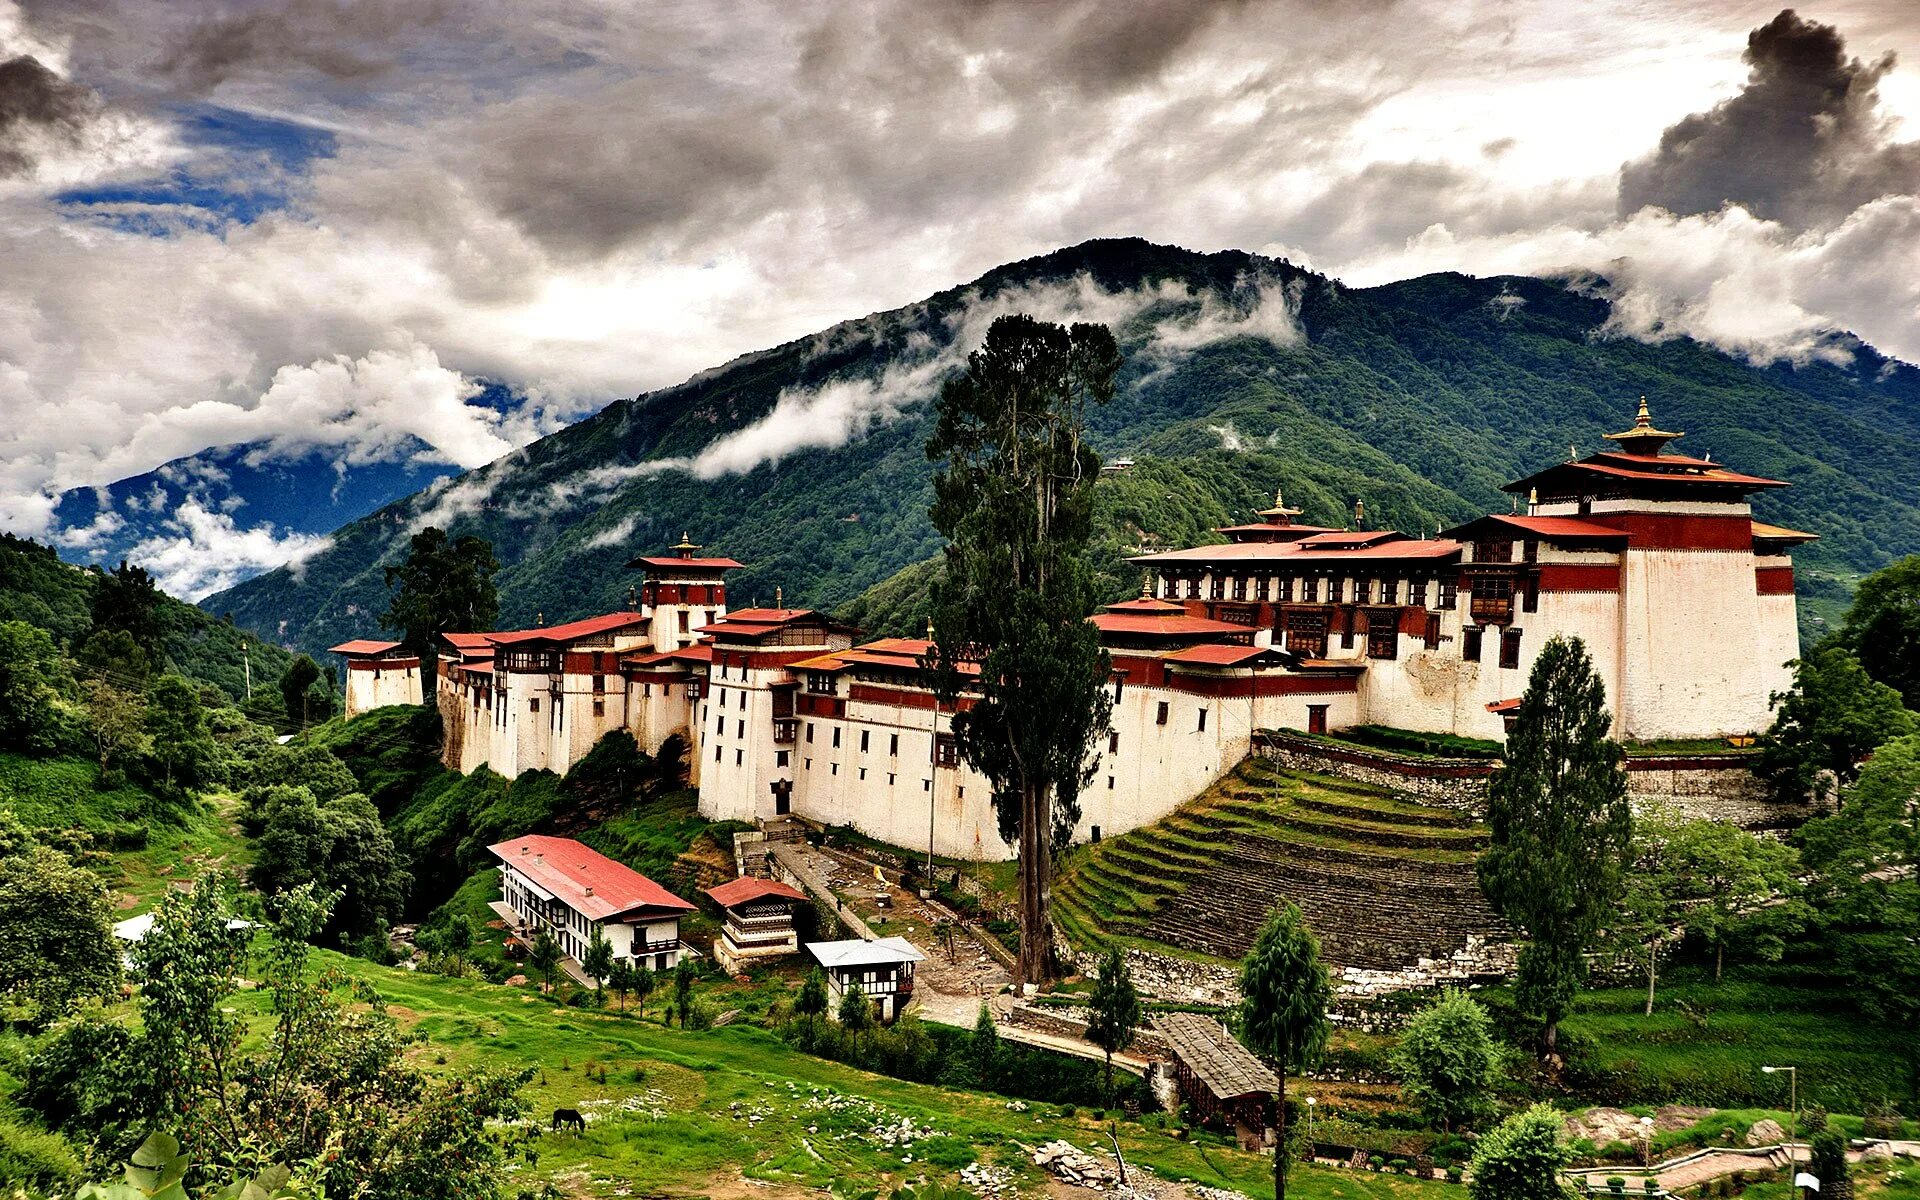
(339, 846)
(1643, 921)
(126, 599)
(34, 686)
(1825, 725)
(295, 682)
(117, 722)
(620, 979)
(1521, 1158)
(1284, 993)
(113, 656)
(683, 973)
(598, 961)
(1448, 1059)
(983, 1049)
(1014, 499)
(178, 726)
(644, 981)
(544, 955)
(1866, 863)
(1827, 1162)
(56, 931)
(1883, 627)
(328, 1081)
(1561, 828)
(1731, 886)
(856, 1010)
(1114, 1011)
(812, 1000)
(458, 940)
(442, 587)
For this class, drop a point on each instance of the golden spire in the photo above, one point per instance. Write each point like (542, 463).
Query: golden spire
(1644, 439)
(687, 546)
(1146, 585)
(1533, 498)
(929, 629)
(1279, 514)
(779, 596)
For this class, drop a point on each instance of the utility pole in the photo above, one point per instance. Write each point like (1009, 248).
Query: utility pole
(246, 658)
(933, 767)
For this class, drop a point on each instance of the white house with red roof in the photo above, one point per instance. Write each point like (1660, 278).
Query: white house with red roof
(570, 889)
(379, 673)
(758, 920)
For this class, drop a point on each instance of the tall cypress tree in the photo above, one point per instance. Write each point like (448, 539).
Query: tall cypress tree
(1284, 994)
(1562, 828)
(1015, 503)
(443, 587)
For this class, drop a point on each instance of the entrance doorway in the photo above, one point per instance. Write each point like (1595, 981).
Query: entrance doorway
(782, 797)
(1316, 718)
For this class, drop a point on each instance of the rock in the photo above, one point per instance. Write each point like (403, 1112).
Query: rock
(516, 981)
(1766, 1132)
(1670, 1118)
(1877, 1150)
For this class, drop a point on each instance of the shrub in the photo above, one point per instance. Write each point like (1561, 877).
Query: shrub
(1616, 1184)
(34, 1156)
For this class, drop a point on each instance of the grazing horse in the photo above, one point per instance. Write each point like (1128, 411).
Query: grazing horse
(564, 1118)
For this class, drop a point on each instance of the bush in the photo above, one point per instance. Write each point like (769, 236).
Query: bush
(35, 1157)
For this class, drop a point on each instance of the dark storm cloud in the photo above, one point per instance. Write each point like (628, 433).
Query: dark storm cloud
(35, 104)
(1804, 142)
(346, 40)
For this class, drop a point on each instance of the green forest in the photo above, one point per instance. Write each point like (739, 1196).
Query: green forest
(1420, 397)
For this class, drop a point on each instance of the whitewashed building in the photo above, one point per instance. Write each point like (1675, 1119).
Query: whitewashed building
(882, 967)
(379, 673)
(570, 889)
(757, 921)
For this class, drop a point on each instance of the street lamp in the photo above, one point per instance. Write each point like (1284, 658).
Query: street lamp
(1310, 1103)
(1646, 1142)
(1793, 1104)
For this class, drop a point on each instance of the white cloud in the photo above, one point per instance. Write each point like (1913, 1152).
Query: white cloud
(198, 552)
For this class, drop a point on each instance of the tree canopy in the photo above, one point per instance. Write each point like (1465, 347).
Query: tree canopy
(1521, 1158)
(56, 931)
(1832, 716)
(1113, 1011)
(127, 600)
(1284, 994)
(442, 586)
(1883, 627)
(1561, 828)
(1014, 499)
(1448, 1059)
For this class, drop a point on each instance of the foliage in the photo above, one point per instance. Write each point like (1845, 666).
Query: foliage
(337, 846)
(1114, 1013)
(117, 723)
(112, 655)
(128, 601)
(811, 1001)
(296, 682)
(35, 1157)
(1014, 499)
(1448, 1060)
(444, 586)
(1561, 827)
(1284, 994)
(856, 1010)
(178, 726)
(983, 1051)
(543, 955)
(158, 1171)
(598, 962)
(1734, 887)
(1827, 1162)
(1866, 859)
(621, 977)
(1521, 1158)
(1826, 724)
(684, 973)
(56, 931)
(1883, 627)
(35, 687)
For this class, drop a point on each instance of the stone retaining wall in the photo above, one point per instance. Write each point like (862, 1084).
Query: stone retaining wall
(1717, 788)
(1460, 785)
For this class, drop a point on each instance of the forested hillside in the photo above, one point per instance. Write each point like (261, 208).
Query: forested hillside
(36, 587)
(1420, 397)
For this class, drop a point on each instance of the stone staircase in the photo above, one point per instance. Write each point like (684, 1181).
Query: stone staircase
(1383, 881)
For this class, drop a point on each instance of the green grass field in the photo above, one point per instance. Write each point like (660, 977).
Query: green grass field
(687, 1112)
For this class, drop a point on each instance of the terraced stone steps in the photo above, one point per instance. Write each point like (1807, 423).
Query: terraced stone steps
(1382, 880)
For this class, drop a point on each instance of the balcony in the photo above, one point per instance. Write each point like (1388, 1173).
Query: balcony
(1492, 610)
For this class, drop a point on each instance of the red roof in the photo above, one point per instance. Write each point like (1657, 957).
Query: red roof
(1350, 537)
(746, 889)
(583, 878)
(1144, 604)
(1168, 626)
(1565, 528)
(664, 561)
(571, 631)
(1212, 654)
(363, 647)
(1504, 706)
(1284, 553)
(470, 645)
(1641, 467)
(1780, 533)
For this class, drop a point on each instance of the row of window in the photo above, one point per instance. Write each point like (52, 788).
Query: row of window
(1280, 589)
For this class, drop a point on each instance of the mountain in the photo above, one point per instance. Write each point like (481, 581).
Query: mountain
(38, 588)
(1243, 373)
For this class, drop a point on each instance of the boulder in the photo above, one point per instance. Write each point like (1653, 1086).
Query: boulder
(1877, 1150)
(1766, 1132)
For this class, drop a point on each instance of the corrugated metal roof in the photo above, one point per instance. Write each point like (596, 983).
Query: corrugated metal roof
(363, 646)
(747, 888)
(585, 879)
(858, 953)
(1206, 1048)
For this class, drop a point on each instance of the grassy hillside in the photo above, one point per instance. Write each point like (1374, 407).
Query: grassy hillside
(38, 588)
(1421, 397)
(1383, 880)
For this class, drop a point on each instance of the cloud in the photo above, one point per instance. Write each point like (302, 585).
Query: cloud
(1804, 142)
(198, 552)
(616, 534)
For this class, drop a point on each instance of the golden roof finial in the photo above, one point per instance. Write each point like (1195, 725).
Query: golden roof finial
(1572, 453)
(779, 596)
(1146, 585)
(687, 545)
(1644, 440)
(1533, 498)
(929, 628)
(1644, 420)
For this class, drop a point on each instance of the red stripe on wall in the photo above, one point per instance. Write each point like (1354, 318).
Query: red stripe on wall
(1773, 581)
(1674, 531)
(1277, 685)
(1580, 577)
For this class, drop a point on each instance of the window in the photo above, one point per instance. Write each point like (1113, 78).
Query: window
(1202, 726)
(1113, 741)
(716, 754)
(833, 768)
(1532, 550)
(1307, 634)
(599, 683)
(1510, 649)
(863, 772)
(720, 724)
(684, 615)
(782, 757)
(945, 753)
(1286, 590)
(1470, 645)
(1193, 588)
(1390, 592)
(1310, 590)
(836, 737)
(1336, 590)
(1363, 591)
(533, 705)
(1383, 636)
(1239, 587)
(1417, 593)
(1161, 717)
(863, 741)
(1433, 631)
(1109, 788)
(739, 756)
(721, 699)
(809, 731)
(1449, 594)
(599, 708)
(893, 744)
(1530, 598)
(1118, 686)
(1218, 588)
(740, 729)
(743, 697)
(1260, 587)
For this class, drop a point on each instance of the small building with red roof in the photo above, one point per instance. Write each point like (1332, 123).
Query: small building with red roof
(758, 920)
(570, 890)
(379, 673)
